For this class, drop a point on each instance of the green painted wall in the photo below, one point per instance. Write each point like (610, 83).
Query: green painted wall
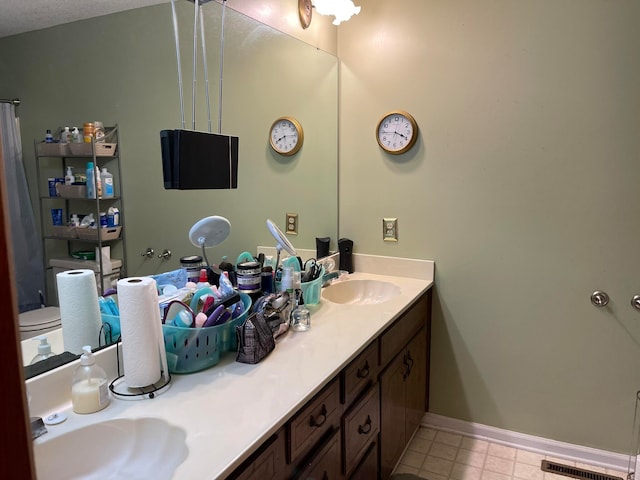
(121, 68)
(523, 188)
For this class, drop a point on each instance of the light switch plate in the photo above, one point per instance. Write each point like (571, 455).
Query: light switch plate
(390, 229)
(291, 227)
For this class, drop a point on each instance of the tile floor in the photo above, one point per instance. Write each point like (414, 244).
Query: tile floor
(439, 455)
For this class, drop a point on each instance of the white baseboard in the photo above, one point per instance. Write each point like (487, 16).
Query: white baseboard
(568, 451)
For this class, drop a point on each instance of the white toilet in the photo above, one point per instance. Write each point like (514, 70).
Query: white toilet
(39, 321)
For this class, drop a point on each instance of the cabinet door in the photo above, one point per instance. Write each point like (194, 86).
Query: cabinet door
(416, 382)
(392, 414)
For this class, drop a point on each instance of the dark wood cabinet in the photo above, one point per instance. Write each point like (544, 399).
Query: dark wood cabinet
(325, 464)
(267, 462)
(358, 425)
(403, 382)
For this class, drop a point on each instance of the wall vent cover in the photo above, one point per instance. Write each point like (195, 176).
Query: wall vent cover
(573, 472)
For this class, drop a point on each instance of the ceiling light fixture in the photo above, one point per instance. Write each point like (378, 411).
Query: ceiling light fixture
(342, 10)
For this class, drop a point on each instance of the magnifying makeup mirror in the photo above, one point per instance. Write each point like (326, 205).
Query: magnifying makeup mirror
(283, 241)
(209, 232)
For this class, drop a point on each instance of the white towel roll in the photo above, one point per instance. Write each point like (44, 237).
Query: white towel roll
(79, 309)
(141, 328)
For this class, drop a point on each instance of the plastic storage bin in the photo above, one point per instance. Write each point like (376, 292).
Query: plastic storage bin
(311, 290)
(191, 350)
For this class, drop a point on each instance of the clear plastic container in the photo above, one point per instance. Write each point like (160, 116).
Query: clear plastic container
(89, 390)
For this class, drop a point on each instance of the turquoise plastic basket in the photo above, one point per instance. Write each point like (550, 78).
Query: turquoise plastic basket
(191, 350)
(311, 290)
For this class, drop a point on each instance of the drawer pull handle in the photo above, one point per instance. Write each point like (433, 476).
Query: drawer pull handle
(321, 419)
(363, 372)
(405, 374)
(410, 361)
(366, 428)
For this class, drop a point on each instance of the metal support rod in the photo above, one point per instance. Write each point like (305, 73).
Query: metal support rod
(205, 69)
(196, 9)
(175, 32)
(15, 101)
(224, 4)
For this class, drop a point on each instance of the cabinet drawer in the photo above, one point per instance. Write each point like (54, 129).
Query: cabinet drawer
(360, 427)
(398, 335)
(267, 462)
(360, 373)
(325, 465)
(318, 417)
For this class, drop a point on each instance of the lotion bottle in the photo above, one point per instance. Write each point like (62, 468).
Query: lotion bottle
(89, 390)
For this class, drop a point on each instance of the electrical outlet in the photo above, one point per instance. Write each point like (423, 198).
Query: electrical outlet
(292, 224)
(390, 229)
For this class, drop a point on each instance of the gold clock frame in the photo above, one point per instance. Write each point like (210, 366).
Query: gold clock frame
(305, 12)
(414, 126)
(299, 130)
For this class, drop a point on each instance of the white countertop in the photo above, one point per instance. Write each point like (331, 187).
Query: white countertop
(230, 409)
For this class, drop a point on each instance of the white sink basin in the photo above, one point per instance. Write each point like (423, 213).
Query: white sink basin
(360, 292)
(121, 448)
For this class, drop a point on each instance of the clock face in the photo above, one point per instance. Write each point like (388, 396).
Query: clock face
(397, 132)
(286, 136)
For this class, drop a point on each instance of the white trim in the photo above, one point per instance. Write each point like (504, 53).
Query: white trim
(523, 441)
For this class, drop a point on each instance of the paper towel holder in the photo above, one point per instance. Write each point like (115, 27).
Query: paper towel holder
(120, 389)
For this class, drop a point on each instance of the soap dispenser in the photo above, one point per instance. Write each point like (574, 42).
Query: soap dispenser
(89, 390)
(44, 350)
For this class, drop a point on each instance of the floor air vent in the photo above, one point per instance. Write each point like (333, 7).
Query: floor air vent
(573, 472)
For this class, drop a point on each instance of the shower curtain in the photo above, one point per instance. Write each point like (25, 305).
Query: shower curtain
(27, 247)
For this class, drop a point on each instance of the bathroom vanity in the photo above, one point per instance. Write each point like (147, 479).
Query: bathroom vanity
(338, 401)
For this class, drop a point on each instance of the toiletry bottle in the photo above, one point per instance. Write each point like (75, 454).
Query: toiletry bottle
(91, 183)
(286, 284)
(44, 350)
(75, 135)
(65, 135)
(89, 390)
(69, 178)
(98, 131)
(107, 183)
(96, 171)
(48, 138)
(75, 221)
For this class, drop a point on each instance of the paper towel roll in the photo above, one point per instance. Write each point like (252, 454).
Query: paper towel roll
(142, 343)
(79, 310)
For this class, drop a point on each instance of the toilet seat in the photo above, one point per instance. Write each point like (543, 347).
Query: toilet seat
(39, 321)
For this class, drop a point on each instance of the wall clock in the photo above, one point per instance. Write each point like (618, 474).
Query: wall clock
(286, 136)
(397, 132)
(305, 8)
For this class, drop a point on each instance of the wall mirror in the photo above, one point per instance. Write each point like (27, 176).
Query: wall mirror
(121, 69)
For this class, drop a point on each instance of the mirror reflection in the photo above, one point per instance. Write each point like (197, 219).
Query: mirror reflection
(121, 69)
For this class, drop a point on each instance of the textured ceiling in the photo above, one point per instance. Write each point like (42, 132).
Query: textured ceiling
(18, 16)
